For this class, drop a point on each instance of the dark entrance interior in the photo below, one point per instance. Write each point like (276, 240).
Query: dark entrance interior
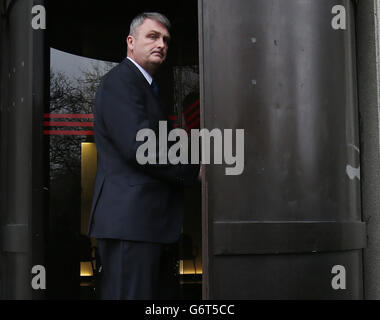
(97, 30)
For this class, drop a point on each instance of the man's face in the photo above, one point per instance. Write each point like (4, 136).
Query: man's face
(150, 46)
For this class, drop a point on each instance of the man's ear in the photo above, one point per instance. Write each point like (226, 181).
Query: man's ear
(130, 42)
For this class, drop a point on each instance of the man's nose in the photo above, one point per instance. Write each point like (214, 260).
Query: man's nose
(161, 42)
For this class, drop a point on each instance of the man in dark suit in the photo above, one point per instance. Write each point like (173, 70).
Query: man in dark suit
(137, 210)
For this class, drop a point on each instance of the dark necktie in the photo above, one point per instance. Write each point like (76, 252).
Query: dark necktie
(155, 89)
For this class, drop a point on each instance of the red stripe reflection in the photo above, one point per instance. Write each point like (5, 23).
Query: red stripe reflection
(192, 116)
(192, 106)
(69, 132)
(193, 124)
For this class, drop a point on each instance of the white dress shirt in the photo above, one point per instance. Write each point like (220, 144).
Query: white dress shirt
(147, 76)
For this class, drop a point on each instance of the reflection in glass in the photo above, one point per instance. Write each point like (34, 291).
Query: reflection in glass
(68, 124)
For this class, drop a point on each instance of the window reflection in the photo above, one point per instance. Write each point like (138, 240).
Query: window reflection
(68, 125)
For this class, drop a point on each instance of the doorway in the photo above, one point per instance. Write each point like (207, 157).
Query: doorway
(77, 62)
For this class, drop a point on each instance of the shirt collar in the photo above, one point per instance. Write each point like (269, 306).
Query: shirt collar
(147, 76)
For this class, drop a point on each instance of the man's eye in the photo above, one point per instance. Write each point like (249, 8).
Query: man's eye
(152, 36)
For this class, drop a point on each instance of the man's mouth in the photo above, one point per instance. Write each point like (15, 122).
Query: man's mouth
(158, 53)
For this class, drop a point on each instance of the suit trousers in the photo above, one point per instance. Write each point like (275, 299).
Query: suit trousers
(133, 270)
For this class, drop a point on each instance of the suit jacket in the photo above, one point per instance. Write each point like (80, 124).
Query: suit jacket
(133, 201)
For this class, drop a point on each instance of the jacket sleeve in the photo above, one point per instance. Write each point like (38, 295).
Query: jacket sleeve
(121, 106)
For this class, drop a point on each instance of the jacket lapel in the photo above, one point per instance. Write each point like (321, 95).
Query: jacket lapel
(158, 108)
